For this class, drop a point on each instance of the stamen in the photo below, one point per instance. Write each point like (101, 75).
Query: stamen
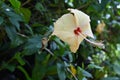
(78, 32)
(99, 44)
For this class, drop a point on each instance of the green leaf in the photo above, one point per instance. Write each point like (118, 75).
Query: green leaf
(69, 54)
(61, 72)
(15, 3)
(40, 7)
(38, 72)
(10, 67)
(39, 69)
(84, 73)
(52, 70)
(84, 78)
(61, 45)
(26, 13)
(15, 22)
(111, 78)
(33, 45)
(57, 40)
(104, 3)
(95, 66)
(24, 72)
(11, 32)
(15, 19)
(19, 58)
(80, 74)
(1, 20)
(116, 67)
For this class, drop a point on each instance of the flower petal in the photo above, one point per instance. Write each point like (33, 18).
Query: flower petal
(87, 31)
(82, 21)
(65, 23)
(71, 39)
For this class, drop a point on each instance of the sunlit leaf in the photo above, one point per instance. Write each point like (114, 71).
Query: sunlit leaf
(15, 3)
(26, 14)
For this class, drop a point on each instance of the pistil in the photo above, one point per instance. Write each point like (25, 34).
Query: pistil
(99, 44)
(78, 32)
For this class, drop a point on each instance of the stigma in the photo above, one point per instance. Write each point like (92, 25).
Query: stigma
(77, 31)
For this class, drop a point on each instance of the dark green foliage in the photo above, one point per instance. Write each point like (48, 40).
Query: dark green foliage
(26, 24)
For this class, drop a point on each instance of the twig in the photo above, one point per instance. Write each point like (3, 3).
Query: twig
(22, 35)
(26, 2)
(72, 73)
(83, 6)
(49, 51)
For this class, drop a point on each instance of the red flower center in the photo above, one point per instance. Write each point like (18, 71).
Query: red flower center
(77, 31)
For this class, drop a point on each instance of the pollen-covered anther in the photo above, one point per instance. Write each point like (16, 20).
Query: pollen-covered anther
(77, 31)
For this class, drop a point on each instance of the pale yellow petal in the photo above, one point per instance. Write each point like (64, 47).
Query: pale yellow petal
(81, 18)
(72, 40)
(87, 31)
(75, 43)
(82, 21)
(65, 23)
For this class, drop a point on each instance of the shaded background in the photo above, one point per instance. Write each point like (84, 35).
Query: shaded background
(24, 24)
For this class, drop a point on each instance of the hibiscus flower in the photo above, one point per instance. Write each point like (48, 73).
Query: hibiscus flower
(73, 28)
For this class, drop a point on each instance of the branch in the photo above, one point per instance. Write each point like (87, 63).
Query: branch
(26, 2)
